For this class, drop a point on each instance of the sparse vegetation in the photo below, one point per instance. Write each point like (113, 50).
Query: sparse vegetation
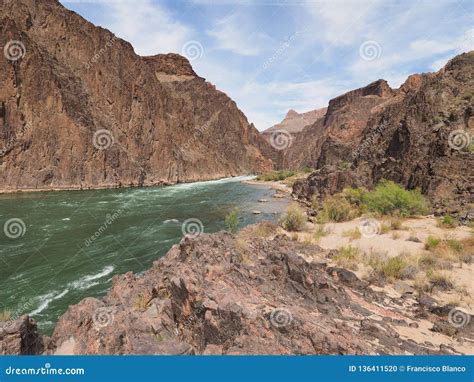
(337, 209)
(352, 234)
(141, 302)
(432, 242)
(276, 175)
(5, 315)
(320, 232)
(393, 267)
(447, 221)
(294, 219)
(439, 280)
(348, 257)
(455, 245)
(232, 220)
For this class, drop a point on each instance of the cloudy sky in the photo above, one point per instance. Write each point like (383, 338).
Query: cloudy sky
(273, 55)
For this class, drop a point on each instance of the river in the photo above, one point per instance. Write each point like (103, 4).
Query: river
(58, 247)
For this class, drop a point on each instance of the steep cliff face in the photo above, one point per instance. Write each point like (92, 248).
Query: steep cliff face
(80, 109)
(295, 122)
(419, 136)
(341, 125)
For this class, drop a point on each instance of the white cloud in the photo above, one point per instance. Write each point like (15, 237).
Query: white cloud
(149, 27)
(235, 34)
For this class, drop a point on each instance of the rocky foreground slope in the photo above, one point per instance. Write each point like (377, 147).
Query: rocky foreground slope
(420, 135)
(78, 108)
(257, 293)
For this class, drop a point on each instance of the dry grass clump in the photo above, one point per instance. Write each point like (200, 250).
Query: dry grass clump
(320, 232)
(141, 302)
(294, 219)
(440, 280)
(447, 221)
(352, 234)
(337, 209)
(432, 242)
(265, 229)
(5, 315)
(348, 257)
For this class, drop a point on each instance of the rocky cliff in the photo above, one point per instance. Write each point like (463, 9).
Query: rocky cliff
(419, 135)
(295, 122)
(257, 293)
(78, 108)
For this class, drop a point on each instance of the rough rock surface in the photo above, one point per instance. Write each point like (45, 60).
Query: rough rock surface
(20, 337)
(165, 124)
(402, 135)
(295, 122)
(267, 294)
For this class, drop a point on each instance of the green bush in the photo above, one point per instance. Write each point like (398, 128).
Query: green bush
(389, 198)
(447, 221)
(432, 242)
(294, 219)
(232, 220)
(337, 208)
(273, 176)
(455, 245)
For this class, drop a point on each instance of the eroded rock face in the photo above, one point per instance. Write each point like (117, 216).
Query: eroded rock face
(220, 295)
(407, 135)
(164, 123)
(20, 337)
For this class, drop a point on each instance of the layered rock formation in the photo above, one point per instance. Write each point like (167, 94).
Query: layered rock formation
(295, 122)
(78, 108)
(255, 294)
(418, 135)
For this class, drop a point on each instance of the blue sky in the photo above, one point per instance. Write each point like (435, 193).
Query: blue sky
(273, 55)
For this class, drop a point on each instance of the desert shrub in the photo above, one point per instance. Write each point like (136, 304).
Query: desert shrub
(307, 170)
(455, 245)
(320, 232)
(447, 221)
(265, 229)
(352, 234)
(294, 219)
(355, 196)
(347, 257)
(440, 280)
(432, 242)
(337, 208)
(276, 175)
(232, 220)
(394, 267)
(396, 224)
(389, 198)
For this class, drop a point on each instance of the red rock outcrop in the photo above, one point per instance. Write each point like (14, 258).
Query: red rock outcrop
(295, 122)
(420, 136)
(271, 295)
(80, 109)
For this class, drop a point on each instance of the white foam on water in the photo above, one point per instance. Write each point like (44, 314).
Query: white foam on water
(88, 281)
(171, 221)
(66, 219)
(47, 299)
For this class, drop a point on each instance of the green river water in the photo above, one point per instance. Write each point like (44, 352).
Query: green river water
(67, 245)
